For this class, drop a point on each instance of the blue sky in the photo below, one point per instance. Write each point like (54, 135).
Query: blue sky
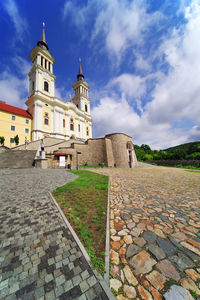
(140, 58)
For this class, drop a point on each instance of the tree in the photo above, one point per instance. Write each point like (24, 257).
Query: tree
(145, 147)
(2, 140)
(16, 139)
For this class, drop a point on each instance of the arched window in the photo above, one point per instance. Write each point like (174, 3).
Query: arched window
(72, 124)
(46, 86)
(85, 107)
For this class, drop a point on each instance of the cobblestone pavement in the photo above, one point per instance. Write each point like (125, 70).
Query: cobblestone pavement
(155, 232)
(39, 258)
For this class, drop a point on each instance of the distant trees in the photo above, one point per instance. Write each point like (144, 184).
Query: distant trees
(190, 151)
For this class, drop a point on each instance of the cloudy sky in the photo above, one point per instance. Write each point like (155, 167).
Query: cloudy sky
(140, 58)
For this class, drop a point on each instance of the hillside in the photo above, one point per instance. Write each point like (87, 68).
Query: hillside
(189, 151)
(189, 148)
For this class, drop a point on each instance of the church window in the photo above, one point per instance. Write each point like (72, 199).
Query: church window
(13, 118)
(63, 123)
(33, 85)
(49, 67)
(79, 128)
(46, 86)
(72, 124)
(46, 119)
(42, 61)
(45, 64)
(87, 131)
(86, 108)
(12, 128)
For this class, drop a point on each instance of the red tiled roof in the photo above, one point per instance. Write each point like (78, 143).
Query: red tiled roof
(14, 110)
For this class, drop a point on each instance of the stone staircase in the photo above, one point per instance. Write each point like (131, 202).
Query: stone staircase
(18, 159)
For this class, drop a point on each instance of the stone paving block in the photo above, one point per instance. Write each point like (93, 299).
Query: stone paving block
(68, 285)
(39, 292)
(85, 274)
(91, 281)
(84, 286)
(76, 280)
(90, 294)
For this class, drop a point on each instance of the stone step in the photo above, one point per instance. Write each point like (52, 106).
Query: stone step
(17, 159)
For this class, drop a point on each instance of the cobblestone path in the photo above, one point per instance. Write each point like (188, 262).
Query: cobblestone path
(39, 258)
(155, 232)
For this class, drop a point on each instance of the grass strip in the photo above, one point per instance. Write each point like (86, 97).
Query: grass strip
(84, 202)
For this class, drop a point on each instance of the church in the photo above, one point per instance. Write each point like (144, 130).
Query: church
(52, 116)
(60, 132)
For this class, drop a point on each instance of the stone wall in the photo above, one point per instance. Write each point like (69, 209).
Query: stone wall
(93, 152)
(119, 147)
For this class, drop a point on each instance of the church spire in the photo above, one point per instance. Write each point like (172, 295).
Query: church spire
(80, 75)
(42, 43)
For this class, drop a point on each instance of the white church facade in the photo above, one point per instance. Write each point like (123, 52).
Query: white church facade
(54, 117)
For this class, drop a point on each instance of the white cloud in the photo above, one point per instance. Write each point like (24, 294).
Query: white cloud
(12, 89)
(175, 99)
(119, 23)
(177, 94)
(19, 22)
(116, 115)
(131, 85)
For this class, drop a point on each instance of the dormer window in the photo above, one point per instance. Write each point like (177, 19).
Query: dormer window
(46, 86)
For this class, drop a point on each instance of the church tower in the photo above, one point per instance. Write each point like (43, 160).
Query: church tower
(41, 78)
(52, 116)
(81, 87)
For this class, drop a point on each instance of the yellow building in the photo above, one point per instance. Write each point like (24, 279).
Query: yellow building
(14, 121)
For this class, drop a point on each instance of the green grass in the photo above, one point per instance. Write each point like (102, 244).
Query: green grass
(194, 294)
(84, 202)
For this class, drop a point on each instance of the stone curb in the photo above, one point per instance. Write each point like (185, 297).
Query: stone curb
(107, 250)
(102, 282)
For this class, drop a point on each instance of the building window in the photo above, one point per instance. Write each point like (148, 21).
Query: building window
(79, 128)
(86, 108)
(63, 123)
(12, 140)
(49, 67)
(41, 61)
(26, 130)
(27, 121)
(13, 118)
(45, 64)
(87, 131)
(72, 124)
(46, 119)
(46, 86)
(12, 128)
(33, 85)
(77, 105)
